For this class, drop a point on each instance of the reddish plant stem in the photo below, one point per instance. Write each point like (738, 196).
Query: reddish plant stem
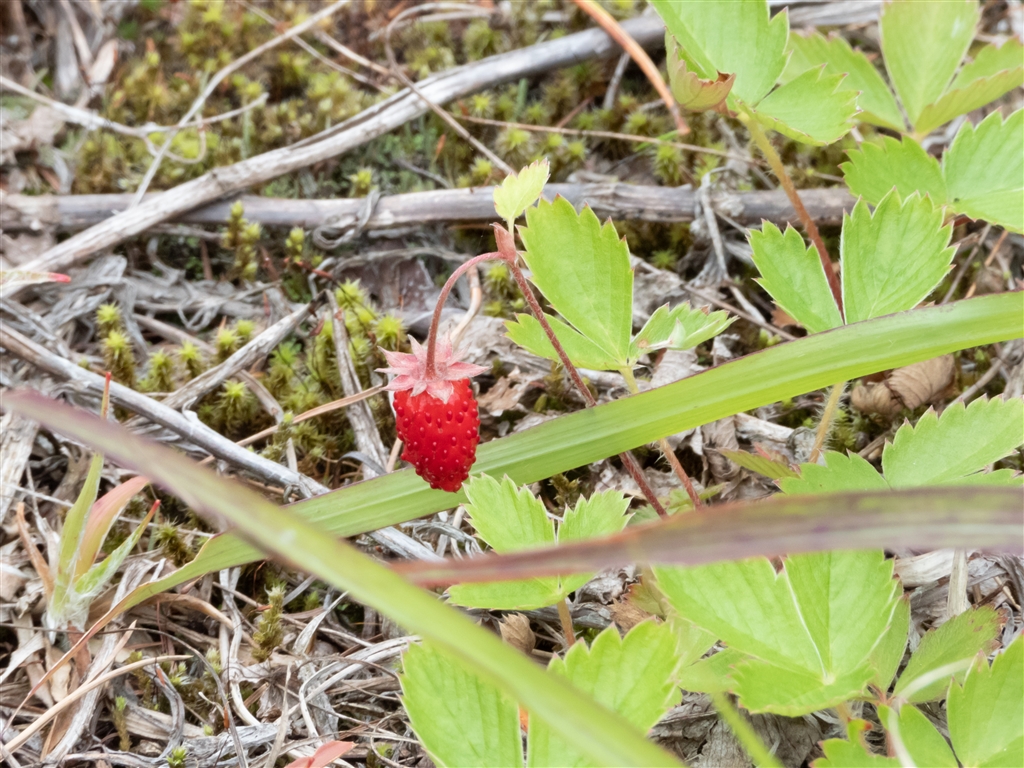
(436, 319)
(506, 245)
(760, 138)
(507, 253)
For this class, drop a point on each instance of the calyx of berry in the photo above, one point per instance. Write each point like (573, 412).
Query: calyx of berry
(411, 370)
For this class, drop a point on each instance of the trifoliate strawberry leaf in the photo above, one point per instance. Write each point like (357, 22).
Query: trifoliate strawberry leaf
(887, 655)
(808, 650)
(960, 101)
(990, 60)
(841, 473)
(601, 515)
(958, 640)
(582, 268)
(923, 44)
(631, 676)
(792, 273)
(874, 169)
(984, 170)
(894, 258)
(526, 331)
(964, 440)
(736, 38)
(681, 327)
(764, 687)
(711, 675)
(510, 519)
(986, 714)
(692, 642)
(814, 108)
(918, 736)
(462, 720)
(519, 191)
(876, 102)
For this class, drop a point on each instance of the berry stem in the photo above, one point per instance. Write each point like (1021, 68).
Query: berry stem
(507, 253)
(436, 320)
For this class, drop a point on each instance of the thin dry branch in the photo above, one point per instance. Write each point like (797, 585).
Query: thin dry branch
(622, 202)
(191, 430)
(371, 123)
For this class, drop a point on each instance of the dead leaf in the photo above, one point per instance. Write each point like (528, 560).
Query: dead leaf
(38, 129)
(908, 387)
(515, 630)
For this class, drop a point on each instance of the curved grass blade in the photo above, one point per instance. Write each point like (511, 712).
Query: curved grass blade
(591, 728)
(571, 441)
(975, 517)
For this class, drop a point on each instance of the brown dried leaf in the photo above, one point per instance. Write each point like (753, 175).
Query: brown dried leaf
(515, 630)
(907, 387)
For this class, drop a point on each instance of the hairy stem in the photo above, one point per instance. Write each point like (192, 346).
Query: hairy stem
(827, 417)
(449, 283)
(506, 245)
(666, 449)
(777, 166)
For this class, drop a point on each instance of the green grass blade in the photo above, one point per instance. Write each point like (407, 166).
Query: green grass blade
(591, 728)
(570, 441)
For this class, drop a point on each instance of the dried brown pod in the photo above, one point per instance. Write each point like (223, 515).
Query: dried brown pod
(908, 387)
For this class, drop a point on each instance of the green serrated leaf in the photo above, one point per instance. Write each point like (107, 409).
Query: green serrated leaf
(631, 676)
(582, 268)
(984, 170)
(960, 101)
(813, 108)
(886, 657)
(841, 473)
(986, 714)
(462, 720)
(602, 514)
(894, 258)
(764, 687)
(682, 327)
(509, 519)
(713, 674)
(796, 624)
(776, 470)
(923, 44)
(918, 736)
(692, 642)
(792, 273)
(519, 191)
(964, 440)
(505, 516)
(526, 331)
(990, 60)
(959, 639)
(732, 38)
(875, 100)
(874, 169)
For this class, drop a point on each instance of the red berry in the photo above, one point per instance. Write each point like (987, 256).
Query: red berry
(441, 449)
(436, 414)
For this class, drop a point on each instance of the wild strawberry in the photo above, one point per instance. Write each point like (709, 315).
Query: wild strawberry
(436, 413)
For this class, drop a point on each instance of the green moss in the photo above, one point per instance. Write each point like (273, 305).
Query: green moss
(119, 358)
(191, 359)
(269, 632)
(160, 375)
